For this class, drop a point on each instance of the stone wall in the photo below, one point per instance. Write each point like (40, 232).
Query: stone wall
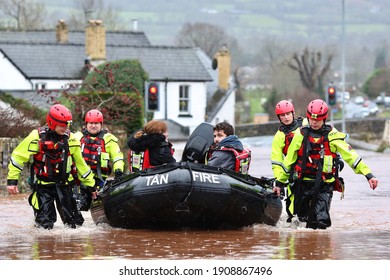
(7, 145)
(362, 129)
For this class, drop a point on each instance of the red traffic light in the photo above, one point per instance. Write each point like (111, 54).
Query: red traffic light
(153, 89)
(152, 97)
(332, 95)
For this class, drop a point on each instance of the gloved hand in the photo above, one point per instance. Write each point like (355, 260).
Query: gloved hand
(118, 173)
(93, 192)
(278, 188)
(339, 162)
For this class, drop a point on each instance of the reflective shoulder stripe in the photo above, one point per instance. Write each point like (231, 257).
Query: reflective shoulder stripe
(14, 163)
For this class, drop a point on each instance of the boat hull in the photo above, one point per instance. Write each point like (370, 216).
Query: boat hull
(186, 195)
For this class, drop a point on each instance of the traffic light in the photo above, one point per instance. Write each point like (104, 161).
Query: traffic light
(332, 95)
(152, 96)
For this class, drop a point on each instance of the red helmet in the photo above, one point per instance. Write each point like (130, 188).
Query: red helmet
(283, 107)
(94, 116)
(58, 115)
(317, 110)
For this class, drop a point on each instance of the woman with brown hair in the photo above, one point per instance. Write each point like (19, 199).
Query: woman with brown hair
(150, 147)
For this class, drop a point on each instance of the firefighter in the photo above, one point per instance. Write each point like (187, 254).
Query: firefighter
(54, 150)
(310, 166)
(101, 152)
(280, 143)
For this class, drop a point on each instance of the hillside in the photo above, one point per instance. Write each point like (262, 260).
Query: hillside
(265, 30)
(251, 20)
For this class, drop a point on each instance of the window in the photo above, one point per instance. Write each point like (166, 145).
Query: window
(184, 99)
(40, 86)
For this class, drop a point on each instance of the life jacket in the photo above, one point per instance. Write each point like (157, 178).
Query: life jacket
(94, 153)
(315, 152)
(243, 158)
(288, 131)
(140, 161)
(51, 162)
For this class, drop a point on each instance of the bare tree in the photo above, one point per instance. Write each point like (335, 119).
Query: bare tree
(206, 36)
(18, 121)
(308, 66)
(94, 9)
(27, 14)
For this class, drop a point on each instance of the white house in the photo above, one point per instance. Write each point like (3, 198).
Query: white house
(50, 60)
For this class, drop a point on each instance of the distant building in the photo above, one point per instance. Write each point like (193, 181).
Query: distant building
(51, 59)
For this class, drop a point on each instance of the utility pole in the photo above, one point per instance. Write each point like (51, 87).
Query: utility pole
(343, 69)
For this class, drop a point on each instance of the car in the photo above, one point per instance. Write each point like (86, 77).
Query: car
(363, 113)
(383, 100)
(359, 100)
(346, 96)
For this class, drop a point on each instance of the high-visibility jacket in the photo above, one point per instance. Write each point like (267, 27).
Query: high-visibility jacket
(280, 144)
(335, 143)
(101, 152)
(33, 146)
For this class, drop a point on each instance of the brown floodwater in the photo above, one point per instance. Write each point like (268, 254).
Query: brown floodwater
(360, 230)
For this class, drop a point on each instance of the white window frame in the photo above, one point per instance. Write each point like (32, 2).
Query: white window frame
(184, 97)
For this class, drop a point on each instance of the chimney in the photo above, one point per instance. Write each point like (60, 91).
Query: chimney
(135, 24)
(62, 32)
(223, 61)
(95, 40)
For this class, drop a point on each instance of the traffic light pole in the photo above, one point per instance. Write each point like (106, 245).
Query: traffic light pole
(331, 115)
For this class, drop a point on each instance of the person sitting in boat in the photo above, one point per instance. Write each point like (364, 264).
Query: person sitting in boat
(150, 147)
(227, 150)
(101, 152)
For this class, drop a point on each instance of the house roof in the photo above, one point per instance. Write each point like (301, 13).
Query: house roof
(165, 62)
(65, 61)
(113, 38)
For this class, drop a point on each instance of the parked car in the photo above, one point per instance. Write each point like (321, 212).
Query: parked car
(359, 100)
(383, 100)
(363, 113)
(347, 96)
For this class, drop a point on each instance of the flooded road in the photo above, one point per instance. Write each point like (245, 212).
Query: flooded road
(360, 230)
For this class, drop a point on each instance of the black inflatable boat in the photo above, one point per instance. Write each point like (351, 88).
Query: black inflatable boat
(188, 194)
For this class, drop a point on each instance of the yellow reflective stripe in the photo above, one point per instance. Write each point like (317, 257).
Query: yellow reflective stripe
(136, 160)
(328, 164)
(291, 196)
(34, 201)
(104, 159)
(244, 167)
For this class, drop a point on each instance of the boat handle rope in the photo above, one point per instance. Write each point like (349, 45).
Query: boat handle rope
(183, 206)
